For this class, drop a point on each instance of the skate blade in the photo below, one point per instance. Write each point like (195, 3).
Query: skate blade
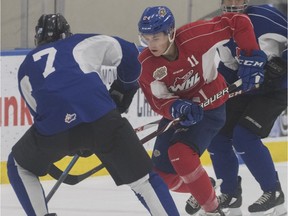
(232, 211)
(276, 211)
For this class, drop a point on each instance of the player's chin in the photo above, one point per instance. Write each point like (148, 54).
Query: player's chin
(156, 53)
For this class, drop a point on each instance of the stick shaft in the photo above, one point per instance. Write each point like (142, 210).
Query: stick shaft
(62, 177)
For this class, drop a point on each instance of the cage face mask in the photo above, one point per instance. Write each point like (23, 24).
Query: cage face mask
(234, 7)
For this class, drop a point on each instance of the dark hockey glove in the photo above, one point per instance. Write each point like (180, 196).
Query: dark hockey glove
(190, 112)
(251, 69)
(122, 98)
(275, 71)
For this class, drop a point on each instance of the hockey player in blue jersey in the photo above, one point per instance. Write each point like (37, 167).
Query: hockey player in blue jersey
(73, 111)
(250, 117)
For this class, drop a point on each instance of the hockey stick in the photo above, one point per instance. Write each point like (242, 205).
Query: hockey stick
(149, 125)
(62, 177)
(71, 179)
(160, 131)
(223, 92)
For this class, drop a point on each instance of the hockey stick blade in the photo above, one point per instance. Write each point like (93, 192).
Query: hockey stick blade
(71, 179)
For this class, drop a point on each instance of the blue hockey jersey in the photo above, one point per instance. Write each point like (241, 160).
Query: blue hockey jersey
(63, 84)
(270, 27)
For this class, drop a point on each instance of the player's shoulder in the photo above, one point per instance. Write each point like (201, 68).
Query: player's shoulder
(28, 62)
(30, 54)
(100, 37)
(266, 18)
(195, 31)
(191, 30)
(121, 40)
(202, 26)
(265, 11)
(91, 37)
(262, 9)
(127, 46)
(231, 16)
(188, 28)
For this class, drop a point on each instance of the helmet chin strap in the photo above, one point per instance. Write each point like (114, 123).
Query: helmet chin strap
(171, 40)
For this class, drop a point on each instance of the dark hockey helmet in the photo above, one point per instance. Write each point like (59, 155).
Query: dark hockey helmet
(235, 8)
(51, 27)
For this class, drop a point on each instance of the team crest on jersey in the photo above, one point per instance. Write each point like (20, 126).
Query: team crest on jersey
(70, 117)
(160, 73)
(187, 81)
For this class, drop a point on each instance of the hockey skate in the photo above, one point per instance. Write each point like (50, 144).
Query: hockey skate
(231, 203)
(269, 204)
(192, 206)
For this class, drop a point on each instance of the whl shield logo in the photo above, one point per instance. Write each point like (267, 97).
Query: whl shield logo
(187, 81)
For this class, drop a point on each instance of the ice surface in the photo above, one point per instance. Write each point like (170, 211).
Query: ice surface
(100, 196)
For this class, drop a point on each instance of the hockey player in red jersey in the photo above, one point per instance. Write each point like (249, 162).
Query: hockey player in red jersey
(178, 74)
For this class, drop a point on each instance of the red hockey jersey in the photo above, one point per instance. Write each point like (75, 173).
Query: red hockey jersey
(193, 75)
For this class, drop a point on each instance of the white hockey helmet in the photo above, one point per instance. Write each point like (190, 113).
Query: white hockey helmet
(235, 6)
